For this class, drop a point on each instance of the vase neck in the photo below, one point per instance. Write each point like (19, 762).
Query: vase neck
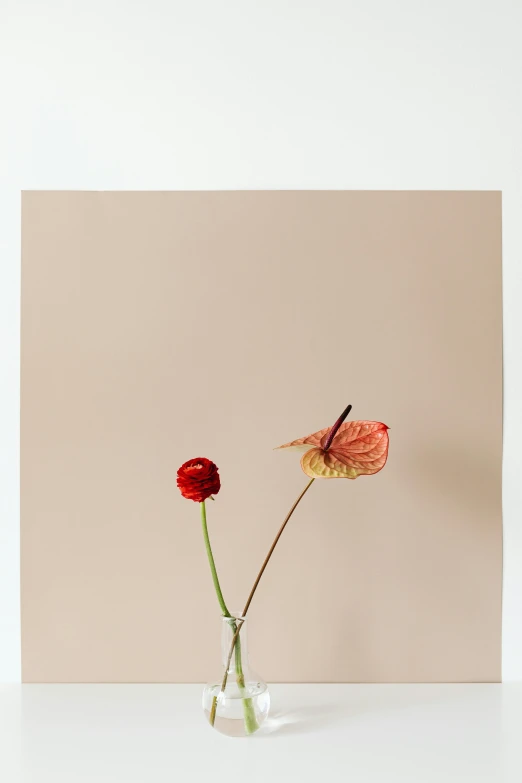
(228, 631)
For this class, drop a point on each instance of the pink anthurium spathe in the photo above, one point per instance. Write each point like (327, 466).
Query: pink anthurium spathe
(346, 450)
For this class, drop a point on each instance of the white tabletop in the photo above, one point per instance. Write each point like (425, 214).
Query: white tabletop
(156, 733)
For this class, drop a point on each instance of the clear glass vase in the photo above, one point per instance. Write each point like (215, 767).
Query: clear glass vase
(237, 703)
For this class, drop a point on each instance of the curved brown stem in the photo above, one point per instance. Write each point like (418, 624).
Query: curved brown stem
(276, 539)
(250, 597)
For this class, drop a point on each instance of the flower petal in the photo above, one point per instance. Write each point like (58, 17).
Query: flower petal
(358, 448)
(364, 465)
(310, 440)
(314, 465)
(353, 434)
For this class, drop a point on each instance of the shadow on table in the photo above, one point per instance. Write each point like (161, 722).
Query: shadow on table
(306, 719)
(388, 699)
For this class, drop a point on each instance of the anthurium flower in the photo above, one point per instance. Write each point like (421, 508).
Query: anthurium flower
(346, 450)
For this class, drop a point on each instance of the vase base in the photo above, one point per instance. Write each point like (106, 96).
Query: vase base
(237, 716)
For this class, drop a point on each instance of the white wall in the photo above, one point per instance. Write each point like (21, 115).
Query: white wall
(201, 94)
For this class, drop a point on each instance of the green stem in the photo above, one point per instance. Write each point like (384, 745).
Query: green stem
(212, 564)
(248, 707)
(251, 724)
(235, 638)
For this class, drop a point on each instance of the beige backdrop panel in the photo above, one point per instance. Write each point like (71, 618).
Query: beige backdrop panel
(161, 326)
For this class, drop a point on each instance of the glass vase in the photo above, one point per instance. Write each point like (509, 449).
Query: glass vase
(237, 703)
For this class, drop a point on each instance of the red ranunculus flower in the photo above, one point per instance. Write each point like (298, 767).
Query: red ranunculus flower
(198, 479)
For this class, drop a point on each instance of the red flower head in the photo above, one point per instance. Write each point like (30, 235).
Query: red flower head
(346, 450)
(198, 479)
